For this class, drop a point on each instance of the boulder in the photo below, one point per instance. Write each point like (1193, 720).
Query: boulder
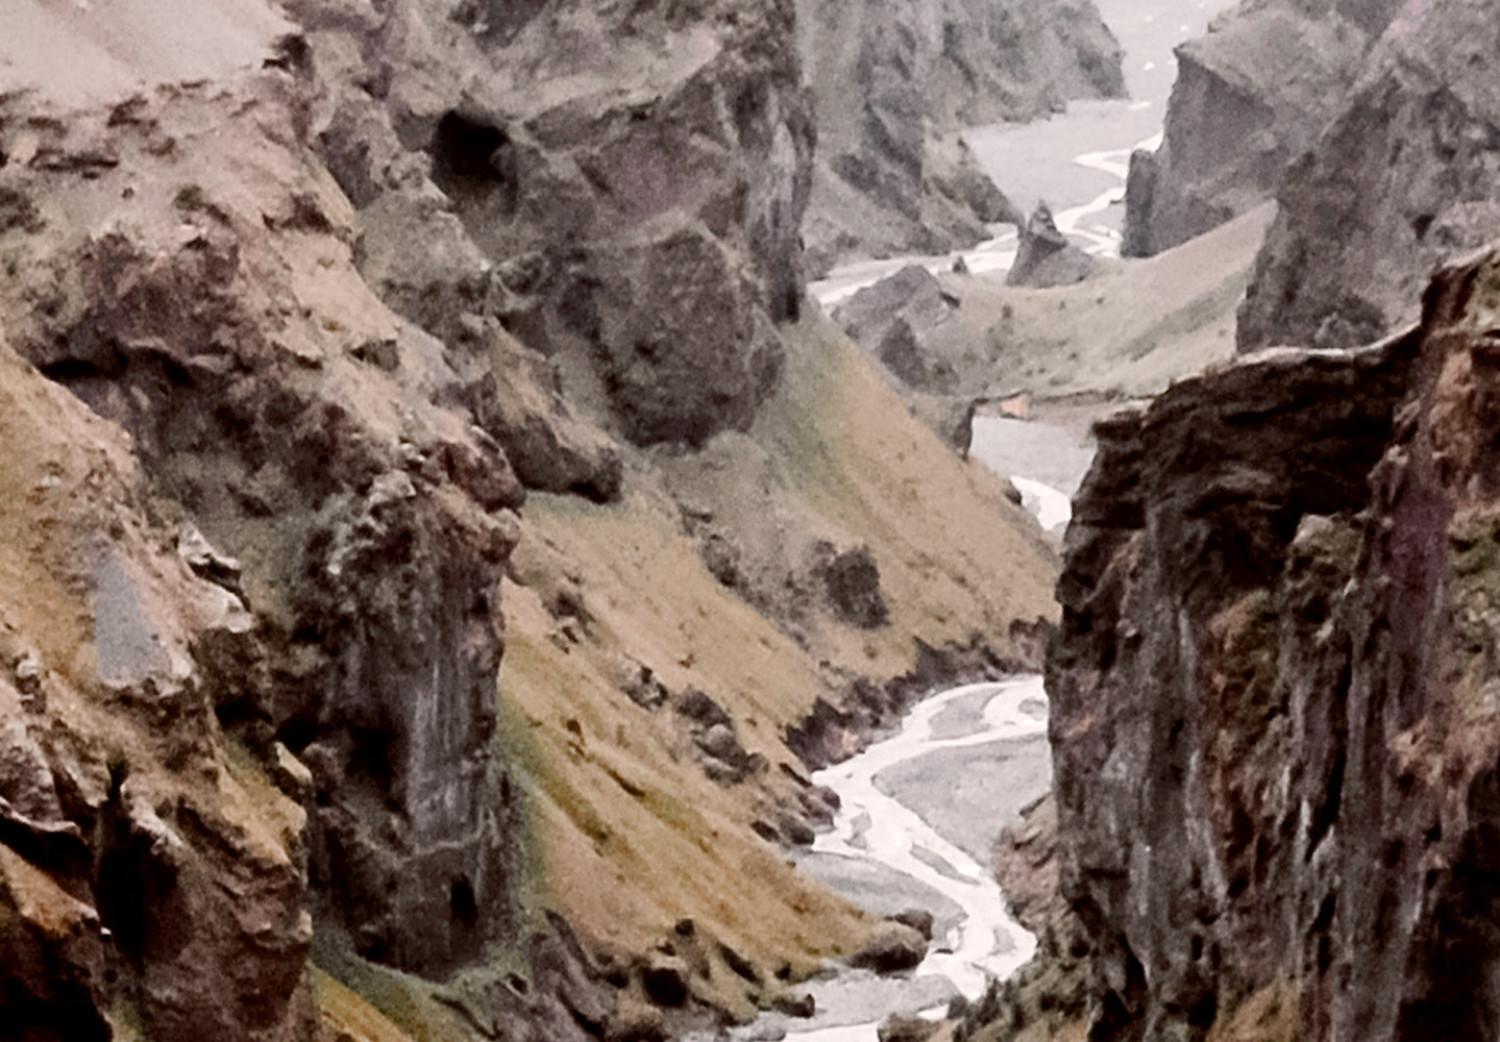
(851, 584)
(895, 948)
(684, 344)
(919, 919)
(900, 1027)
(799, 1005)
(636, 1021)
(891, 320)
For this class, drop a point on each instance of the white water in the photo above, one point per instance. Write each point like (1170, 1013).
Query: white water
(1052, 508)
(987, 943)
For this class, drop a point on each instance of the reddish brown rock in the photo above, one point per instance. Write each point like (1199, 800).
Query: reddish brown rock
(1274, 730)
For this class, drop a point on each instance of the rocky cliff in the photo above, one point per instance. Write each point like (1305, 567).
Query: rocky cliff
(1402, 181)
(301, 305)
(1250, 97)
(893, 84)
(1273, 721)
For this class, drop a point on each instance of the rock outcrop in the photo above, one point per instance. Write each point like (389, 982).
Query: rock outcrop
(1274, 723)
(893, 84)
(892, 320)
(1250, 97)
(1046, 258)
(1406, 178)
(300, 307)
(622, 190)
(898, 320)
(218, 318)
(137, 852)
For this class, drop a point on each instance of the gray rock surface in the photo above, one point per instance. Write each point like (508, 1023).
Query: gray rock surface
(647, 237)
(1250, 97)
(1405, 179)
(1245, 812)
(892, 318)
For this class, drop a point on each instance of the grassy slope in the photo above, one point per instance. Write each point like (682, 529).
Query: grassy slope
(1129, 332)
(633, 833)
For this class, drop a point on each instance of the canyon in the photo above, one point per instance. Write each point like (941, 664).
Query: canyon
(566, 521)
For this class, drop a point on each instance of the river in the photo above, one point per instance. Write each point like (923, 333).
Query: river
(921, 809)
(1076, 161)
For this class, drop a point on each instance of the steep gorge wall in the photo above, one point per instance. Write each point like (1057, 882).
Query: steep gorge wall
(1373, 124)
(287, 262)
(1404, 180)
(1274, 732)
(1250, 97)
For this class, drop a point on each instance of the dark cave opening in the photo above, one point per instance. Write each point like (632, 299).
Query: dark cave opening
(462, 903)
(473, 163)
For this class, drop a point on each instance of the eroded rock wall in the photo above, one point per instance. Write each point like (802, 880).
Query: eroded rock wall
(216, 315)
(1274, 748)
(1250, 97)
(622, 190)
(1404, 180)
(323, 279)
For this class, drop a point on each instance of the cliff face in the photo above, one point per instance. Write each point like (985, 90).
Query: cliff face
(894, 83)
(1402, 181)
(214, 312)
(621, 189)
(1272, 717)
(134, 843)
(1250, 97)
(320, 400)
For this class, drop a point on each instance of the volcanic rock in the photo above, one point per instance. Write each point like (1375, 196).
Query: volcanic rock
(919, 919)
(665, 980)
(851, 583)
(895, 948)
(894, 83)
(899, 1027)
(553, 207)
(890, 319)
